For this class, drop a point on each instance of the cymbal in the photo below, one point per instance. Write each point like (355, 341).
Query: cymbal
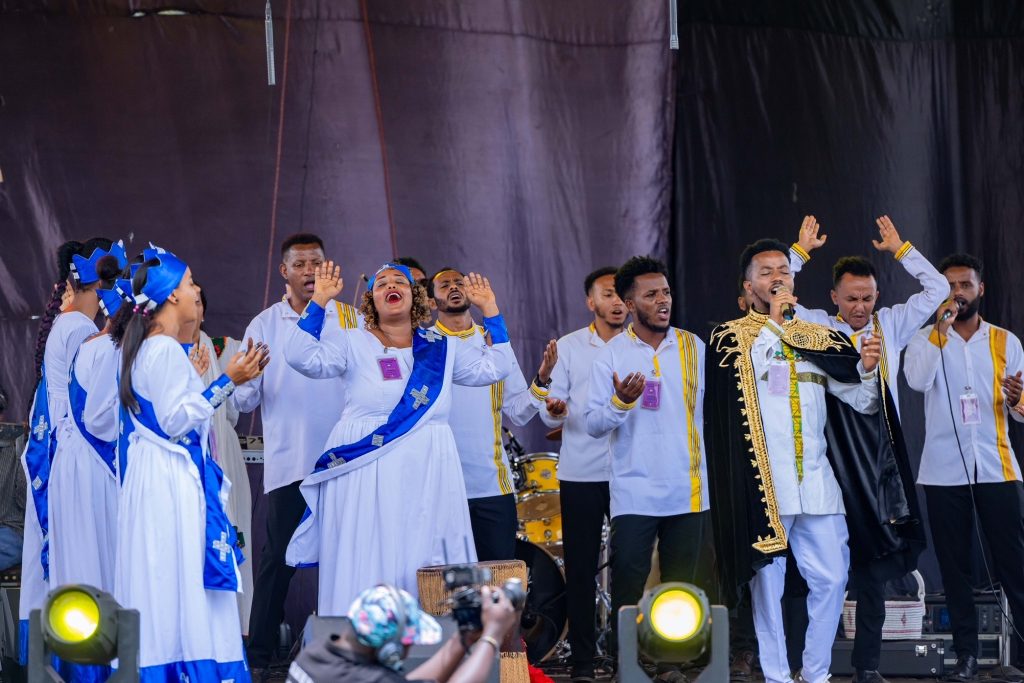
(554, 435)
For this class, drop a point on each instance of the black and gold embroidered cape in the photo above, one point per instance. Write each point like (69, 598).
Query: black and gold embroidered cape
(866, 452)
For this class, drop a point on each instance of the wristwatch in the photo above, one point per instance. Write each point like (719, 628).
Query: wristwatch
(542, 385)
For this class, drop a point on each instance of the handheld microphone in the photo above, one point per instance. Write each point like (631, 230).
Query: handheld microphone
(949, 313)
(788, 312)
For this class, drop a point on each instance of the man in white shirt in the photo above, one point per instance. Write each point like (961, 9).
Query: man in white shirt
(584, 465)
(298, 414)
(647, 394)
(855, 293)
(775, 488)
(475, 420)
(970, 373)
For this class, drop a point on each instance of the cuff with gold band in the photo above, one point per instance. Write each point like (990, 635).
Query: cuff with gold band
(622, 405)
(801, 252)
(539, 391)
(904, 250)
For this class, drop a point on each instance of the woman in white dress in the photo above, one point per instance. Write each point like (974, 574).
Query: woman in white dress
(387, 497)
(67, 322)
(228, 453)
(177, 558)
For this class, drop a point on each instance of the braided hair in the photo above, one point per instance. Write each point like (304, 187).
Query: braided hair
(106, 269)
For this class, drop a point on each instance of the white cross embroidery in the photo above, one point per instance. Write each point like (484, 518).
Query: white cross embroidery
(37, 483)
(335, 461)
(41, 429)
(421, 397)
(221, 545)
(220, 394)
(377, 440)
(431, 336)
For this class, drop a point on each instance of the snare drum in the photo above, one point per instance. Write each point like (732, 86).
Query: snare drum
(546, 532)
(537, 497)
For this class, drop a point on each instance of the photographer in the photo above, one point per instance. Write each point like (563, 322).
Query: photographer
(384, 622)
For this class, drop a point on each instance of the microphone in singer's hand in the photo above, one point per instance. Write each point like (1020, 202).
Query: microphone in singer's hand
(949, 313)
(788, 311)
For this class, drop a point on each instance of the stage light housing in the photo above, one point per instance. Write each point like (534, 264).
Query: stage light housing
(79, 624)
(673, 623)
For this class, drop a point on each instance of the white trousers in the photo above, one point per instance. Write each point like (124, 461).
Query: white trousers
(819, 544)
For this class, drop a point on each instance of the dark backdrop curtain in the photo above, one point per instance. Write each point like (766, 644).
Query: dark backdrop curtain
(529, 141)
(848, 111)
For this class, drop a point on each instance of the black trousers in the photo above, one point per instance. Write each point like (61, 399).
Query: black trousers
(681, 552)
(494, 523)
(742, 635)
(867, 644)
(1000, 510)
(584, 504)
(285, 506)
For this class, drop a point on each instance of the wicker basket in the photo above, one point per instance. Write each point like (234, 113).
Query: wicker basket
(903, 618)
(434, 600)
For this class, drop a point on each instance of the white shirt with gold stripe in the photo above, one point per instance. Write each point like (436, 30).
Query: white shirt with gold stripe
(657, 452)
(975, 369)
(582, 457)
(475, 419)
(298, 413)
(794, 424)
(897, 324)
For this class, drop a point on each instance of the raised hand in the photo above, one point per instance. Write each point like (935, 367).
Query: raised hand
(629, 389)
(327, 283)
(200, 358)
(245, 365)
(556, 407)
(1012, 387)
(870, 352)
(891, 240)
(480, 294)
(548, 362)
(809, 239)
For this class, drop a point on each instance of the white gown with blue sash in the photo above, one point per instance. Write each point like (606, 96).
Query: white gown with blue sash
(83, 486)
(384, 514)
(49, 408)
(164, 545)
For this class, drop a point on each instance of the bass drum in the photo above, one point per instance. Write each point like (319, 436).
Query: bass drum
(544, 621)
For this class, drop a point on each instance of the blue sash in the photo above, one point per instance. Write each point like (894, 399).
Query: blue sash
(429, 352)
(221, 545)
(38, 457)
(77, 396)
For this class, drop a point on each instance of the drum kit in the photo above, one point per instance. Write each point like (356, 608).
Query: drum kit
(539, 544)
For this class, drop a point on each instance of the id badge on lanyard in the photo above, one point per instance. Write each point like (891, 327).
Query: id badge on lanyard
(970, 410)
(389, 367)
(778, 378)
(652, 394)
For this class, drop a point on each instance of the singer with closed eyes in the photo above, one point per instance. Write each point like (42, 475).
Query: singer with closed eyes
(790, 406)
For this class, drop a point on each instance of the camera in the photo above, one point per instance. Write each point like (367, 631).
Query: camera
(464, 582)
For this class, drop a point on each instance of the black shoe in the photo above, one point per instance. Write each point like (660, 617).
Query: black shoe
(581, 674)
(966, 669)
(861, 676)
(741, 669)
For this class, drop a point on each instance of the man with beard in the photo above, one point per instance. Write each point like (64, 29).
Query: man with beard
(297, 413)
(583, 464)
(970, 373)
(796, 442)
(855, 293)
(646, 394)
(476, 422)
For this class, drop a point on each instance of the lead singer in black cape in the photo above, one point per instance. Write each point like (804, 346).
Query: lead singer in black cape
(804, 450)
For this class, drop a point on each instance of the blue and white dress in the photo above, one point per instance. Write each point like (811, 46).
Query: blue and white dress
(399, 504)
(83, 485)
(177, 561)
(49, 409)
